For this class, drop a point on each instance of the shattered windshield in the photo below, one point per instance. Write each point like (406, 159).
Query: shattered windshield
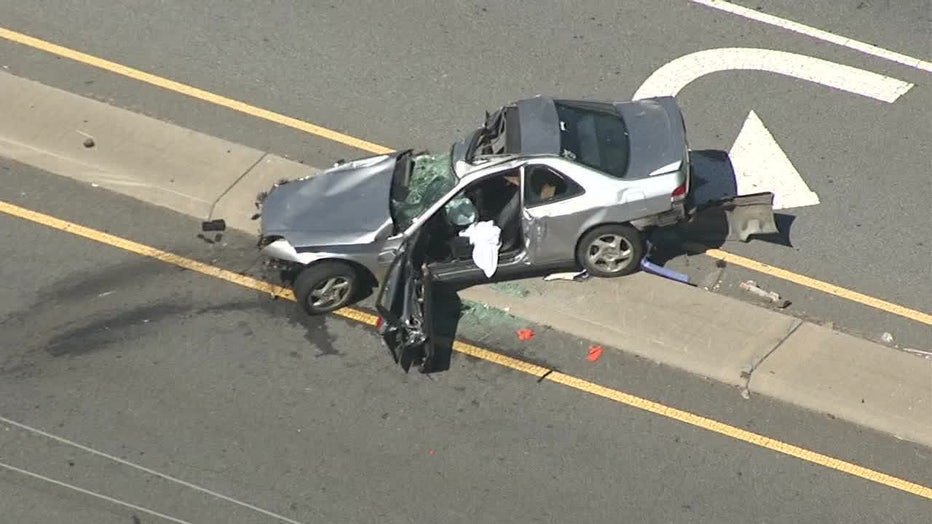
(429, 178)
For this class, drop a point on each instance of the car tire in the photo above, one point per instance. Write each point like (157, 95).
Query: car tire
(325, 287)
(610, 251)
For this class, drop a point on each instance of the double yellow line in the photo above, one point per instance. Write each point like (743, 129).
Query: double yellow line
(539, 372)
(364, 145)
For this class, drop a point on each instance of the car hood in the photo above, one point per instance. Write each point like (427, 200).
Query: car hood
(345, 205)
(657, 136)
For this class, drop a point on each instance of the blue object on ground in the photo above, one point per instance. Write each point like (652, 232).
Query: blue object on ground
(657, 269)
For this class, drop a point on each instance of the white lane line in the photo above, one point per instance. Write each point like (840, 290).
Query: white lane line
(147, 470)
(797, 27)
(673, 76)
(93, 494)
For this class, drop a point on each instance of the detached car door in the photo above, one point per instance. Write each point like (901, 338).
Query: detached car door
(404, 307)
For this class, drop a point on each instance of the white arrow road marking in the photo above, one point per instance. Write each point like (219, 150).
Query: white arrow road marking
(675, 75)
(759, 162)
(760, 165)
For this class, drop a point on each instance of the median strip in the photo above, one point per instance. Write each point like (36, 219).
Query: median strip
(364, 145)
(714, 336)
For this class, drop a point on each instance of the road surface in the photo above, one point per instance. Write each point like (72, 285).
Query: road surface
(224, 388)
(420, 75)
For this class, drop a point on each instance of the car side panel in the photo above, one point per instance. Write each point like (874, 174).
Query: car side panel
(555, 228)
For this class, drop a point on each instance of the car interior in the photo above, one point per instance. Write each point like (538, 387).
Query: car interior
(497, 199)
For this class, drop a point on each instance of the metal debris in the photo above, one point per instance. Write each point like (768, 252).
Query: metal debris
(752, 287)
(887, 338)
(572, 276)
(925, 353)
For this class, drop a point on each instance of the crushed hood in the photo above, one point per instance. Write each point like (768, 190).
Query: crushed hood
(344, 205)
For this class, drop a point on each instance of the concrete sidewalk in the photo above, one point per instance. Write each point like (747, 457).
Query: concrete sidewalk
(755, 349)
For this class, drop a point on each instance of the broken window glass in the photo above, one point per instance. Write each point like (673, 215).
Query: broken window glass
(431, 178)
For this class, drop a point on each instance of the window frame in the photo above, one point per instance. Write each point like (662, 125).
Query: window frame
(574, 188)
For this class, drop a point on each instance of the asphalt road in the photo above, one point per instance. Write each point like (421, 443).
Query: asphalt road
(225, 388)
(421, 74)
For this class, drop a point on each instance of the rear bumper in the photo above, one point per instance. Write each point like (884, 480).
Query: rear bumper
(736, 218)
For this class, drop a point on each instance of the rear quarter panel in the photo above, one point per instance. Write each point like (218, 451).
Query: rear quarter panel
(555, 228)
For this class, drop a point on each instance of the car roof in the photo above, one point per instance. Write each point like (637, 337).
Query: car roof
(538, 123)
(538, 127)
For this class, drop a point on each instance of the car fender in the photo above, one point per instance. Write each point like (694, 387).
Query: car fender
(281, 249)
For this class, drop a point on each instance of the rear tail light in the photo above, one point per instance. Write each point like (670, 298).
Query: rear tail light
(379, 322)
(679, 193)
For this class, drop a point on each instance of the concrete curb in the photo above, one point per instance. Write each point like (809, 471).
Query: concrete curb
(758, 350)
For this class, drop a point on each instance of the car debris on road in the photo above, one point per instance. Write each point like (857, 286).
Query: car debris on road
(566, 184)
(575, 276)
(751, 287)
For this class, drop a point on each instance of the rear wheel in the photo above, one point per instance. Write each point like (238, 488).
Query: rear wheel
(611, 250)
(326, 287)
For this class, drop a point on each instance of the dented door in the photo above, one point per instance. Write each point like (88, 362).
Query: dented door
(403, 304)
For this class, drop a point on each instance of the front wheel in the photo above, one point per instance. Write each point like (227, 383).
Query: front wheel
(325, 287)
(610, 251)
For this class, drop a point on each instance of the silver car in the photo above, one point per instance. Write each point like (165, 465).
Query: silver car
(565, 183)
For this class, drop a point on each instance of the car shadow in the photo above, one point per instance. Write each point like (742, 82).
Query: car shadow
(713, 178)
(446, 312)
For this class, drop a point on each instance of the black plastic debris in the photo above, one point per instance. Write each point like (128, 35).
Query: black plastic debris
(214, 225)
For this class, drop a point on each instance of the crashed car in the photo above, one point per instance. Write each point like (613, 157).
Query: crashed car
(543, 183)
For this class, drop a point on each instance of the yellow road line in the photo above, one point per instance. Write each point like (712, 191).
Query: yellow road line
(818, 285)
(358, 143)
(191, 91)
(539, 372)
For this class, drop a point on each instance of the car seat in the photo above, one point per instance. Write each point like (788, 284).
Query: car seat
(509, 221)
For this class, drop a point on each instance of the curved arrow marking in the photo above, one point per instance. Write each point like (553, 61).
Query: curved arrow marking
(675, 75)
(758, 161)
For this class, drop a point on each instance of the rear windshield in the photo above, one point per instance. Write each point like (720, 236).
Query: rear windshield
(595, 135)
